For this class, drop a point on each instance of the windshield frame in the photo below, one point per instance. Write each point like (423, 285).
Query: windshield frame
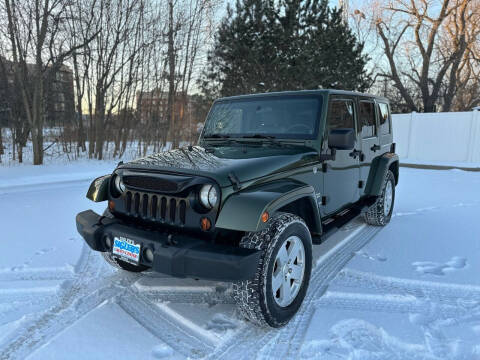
(277, 136)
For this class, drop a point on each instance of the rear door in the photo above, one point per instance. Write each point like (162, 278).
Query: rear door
(340, 185)
(368, 137)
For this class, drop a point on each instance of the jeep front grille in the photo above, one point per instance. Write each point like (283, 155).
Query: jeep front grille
(150, 183)
(156, 207)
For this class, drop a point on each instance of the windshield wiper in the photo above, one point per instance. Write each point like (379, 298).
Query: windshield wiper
(216, 136)
(270, 138)
(259, 136)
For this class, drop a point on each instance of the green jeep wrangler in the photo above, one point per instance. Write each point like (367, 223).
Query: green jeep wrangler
(271, 175)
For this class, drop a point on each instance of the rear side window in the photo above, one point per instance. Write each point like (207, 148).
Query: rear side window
(367, 119)
(341, 114)
(384, 119)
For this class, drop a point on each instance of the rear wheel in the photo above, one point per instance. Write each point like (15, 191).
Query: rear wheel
(380, 213)
(115, 262)
(277, 291)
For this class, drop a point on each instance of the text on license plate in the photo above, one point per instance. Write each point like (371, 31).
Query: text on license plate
(126, 248)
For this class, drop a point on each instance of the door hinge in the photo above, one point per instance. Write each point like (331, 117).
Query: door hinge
(360, 184)
(324, 167)
(324, 200)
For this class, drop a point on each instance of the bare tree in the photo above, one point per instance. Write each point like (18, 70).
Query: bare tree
(189, 27)
(35, 30)
(424, 44)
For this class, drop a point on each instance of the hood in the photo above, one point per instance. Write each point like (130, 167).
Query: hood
(245, 162)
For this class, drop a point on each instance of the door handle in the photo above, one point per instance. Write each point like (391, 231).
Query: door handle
(375, 147)
(355, 153)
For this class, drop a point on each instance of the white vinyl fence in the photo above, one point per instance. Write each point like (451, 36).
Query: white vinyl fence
(452, 137)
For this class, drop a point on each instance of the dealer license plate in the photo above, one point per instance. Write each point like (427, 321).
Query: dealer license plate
(126, 249)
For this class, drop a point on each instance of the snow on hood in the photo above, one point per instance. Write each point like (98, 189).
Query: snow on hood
(246, 162)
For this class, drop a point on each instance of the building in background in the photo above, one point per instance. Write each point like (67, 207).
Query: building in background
(59, 97)
(152, 112)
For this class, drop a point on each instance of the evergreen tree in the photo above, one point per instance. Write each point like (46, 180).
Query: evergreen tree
(278, 45)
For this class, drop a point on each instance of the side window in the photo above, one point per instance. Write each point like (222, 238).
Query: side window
(367, 119)
(384, 119)
(340, 114)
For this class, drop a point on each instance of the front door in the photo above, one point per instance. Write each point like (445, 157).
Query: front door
(340, 185)
(368, 137)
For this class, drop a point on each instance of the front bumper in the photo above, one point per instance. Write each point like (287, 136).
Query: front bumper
(174, 254)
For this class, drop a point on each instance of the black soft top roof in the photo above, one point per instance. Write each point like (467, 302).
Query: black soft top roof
(303, 92)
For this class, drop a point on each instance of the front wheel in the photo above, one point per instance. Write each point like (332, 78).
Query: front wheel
(277, 291)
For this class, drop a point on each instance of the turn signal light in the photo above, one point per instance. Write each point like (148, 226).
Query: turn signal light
(265, 217)
(205, 224)
(111, 205)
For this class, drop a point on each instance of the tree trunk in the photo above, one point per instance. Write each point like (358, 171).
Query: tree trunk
(37, 119)
(171, 78)
(99, 124)
(20, 153)
(1, 144)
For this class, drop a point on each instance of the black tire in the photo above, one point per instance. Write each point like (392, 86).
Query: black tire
(119, 264)
(254, 298)
(376, 213)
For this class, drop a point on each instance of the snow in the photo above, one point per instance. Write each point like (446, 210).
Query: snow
(407, 291)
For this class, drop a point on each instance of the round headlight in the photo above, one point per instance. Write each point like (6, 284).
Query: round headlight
(208, 196)
(119, 185)
(212, 196)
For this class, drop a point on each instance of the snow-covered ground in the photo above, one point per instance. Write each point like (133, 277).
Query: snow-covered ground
(410, 290)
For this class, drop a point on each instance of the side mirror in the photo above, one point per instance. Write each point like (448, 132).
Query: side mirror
(341, 139)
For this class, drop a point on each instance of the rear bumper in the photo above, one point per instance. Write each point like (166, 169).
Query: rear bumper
(179, 255)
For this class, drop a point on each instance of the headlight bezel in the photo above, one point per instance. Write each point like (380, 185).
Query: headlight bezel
(118, 187)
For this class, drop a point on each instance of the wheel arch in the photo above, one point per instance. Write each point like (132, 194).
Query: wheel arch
(378, 170)
(242, 211)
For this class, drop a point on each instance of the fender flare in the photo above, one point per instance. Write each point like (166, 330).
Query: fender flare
(378, 171)
(98, 190)
(242, 211)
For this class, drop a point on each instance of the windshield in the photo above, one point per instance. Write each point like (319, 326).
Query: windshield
(281, 117)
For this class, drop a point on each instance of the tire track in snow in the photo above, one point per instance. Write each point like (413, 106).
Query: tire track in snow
(287, 341)
(188, 297)
(440, 292)
(328, 267)
(39, 274)
(165, 328)
(90, 288)
(389, 304)
(79, 297)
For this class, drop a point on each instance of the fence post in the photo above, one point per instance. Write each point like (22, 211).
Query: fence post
(412, 116)
(472, 143)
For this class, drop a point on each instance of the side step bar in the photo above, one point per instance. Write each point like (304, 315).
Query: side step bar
(331, 225)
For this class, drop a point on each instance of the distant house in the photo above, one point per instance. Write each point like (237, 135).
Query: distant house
(152, 107)
(152, 110)
(59, 96)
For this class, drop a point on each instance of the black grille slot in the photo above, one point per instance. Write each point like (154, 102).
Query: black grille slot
(182, 211)
(150, 183)
(136, 203)
(154, 206)
(173, 209)
(128, 202)
(163, 208)
(145, 205)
